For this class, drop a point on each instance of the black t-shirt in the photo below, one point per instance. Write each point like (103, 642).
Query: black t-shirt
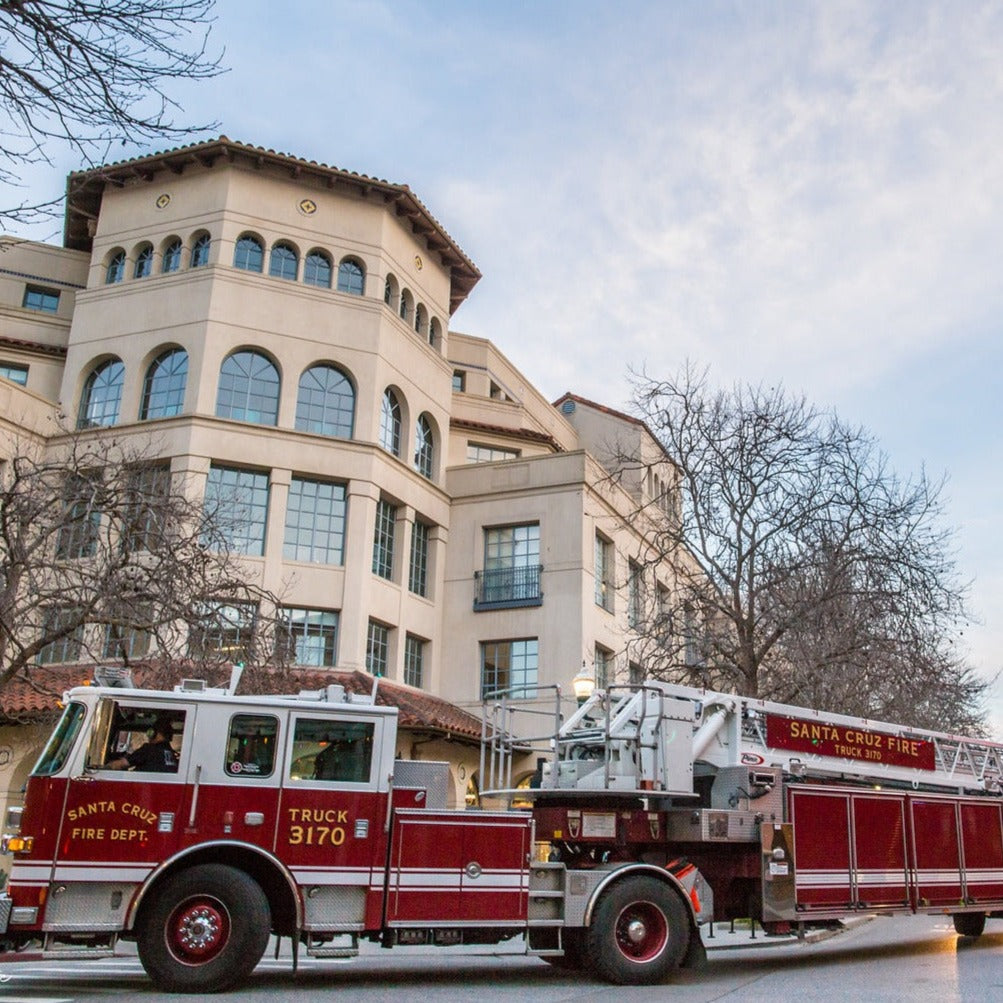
(154, 757)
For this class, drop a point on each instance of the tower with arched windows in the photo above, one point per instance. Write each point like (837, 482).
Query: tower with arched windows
(280, 331)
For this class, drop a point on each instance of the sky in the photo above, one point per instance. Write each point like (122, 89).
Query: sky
(804, 193)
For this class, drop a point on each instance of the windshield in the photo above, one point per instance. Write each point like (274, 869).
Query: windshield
(61, 743)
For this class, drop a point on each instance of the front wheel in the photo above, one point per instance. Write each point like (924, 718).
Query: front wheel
(205, 930)
(639, 932)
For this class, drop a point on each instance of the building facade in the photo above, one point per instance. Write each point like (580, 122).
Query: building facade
(280, 333)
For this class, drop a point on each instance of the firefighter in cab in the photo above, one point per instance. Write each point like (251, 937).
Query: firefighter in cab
(157, 755)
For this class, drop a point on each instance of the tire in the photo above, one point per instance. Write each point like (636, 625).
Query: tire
(204, 930)
(639, 934)
(969, 924)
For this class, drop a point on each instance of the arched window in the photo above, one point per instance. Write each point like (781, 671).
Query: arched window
(248, 388)
(423, 447)
(326, 402)
(172, 257)
(390, 292)
(164, 385)
(200, 250)
(115, 271)
(283, 262)
(390, 423)
(420, 318)
(144, 262)
(351, 277)
(406, 309)
(435, 334)
(317, 270)
(249, 254)
(102, 395)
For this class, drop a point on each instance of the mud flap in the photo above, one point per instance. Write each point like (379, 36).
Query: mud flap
(696, 954)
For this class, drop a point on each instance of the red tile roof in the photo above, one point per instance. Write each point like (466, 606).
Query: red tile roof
(36, 697)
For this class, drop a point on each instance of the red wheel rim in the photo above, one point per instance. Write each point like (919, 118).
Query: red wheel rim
(641, 931)
(198, 930)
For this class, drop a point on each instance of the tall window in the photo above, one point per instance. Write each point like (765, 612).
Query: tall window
(249, 254)
(164, 385)
(634, 584)
(663, 614)
(377, 648)
(390, 423)
(351, 277)
(383, 539)
(317, 270)
(312, 636)
(603, 666)
(144, 262)
(406, 306)
(414, 661)
(66, 648)
(237, 501)
(423, 447)
(420, 318)
(102, 396)
(511, 565)
(80, 520)
(417, 576)
(604, 572)
(509, 667)
(115, 271)
(283, 262)
(315, 522)
(172, 257)
(124, 640)
(37, 298)
(147, 502)
(326, 402)
(226, 630)
(200, 250)
(248, 388)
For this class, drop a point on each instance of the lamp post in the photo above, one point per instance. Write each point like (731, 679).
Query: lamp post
(584, 685)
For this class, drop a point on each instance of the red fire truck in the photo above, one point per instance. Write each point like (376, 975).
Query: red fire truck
(658, 808)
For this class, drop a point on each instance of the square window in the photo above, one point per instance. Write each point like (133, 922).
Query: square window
(40, 298)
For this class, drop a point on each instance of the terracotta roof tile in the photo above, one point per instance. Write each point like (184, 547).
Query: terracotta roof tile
(37, 697)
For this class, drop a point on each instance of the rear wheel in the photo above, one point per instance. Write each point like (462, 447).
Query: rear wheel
(969, 924)
(205, 930)
(639, 932)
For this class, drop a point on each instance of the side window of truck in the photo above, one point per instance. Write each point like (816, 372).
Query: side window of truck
(250, 745)
(137, 738)
(339, 751)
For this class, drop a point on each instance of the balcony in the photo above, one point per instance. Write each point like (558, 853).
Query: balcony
(508, 588)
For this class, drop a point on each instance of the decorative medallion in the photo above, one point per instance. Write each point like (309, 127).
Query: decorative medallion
(418, 263)
(307, 206)
(163, 201)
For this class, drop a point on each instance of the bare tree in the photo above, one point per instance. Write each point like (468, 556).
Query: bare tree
(106, 557)
(805, 570)
(89, 74)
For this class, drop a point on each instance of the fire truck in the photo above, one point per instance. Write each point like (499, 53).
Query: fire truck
(656, 809)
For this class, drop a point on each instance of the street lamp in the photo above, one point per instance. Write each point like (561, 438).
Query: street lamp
(584, 685)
